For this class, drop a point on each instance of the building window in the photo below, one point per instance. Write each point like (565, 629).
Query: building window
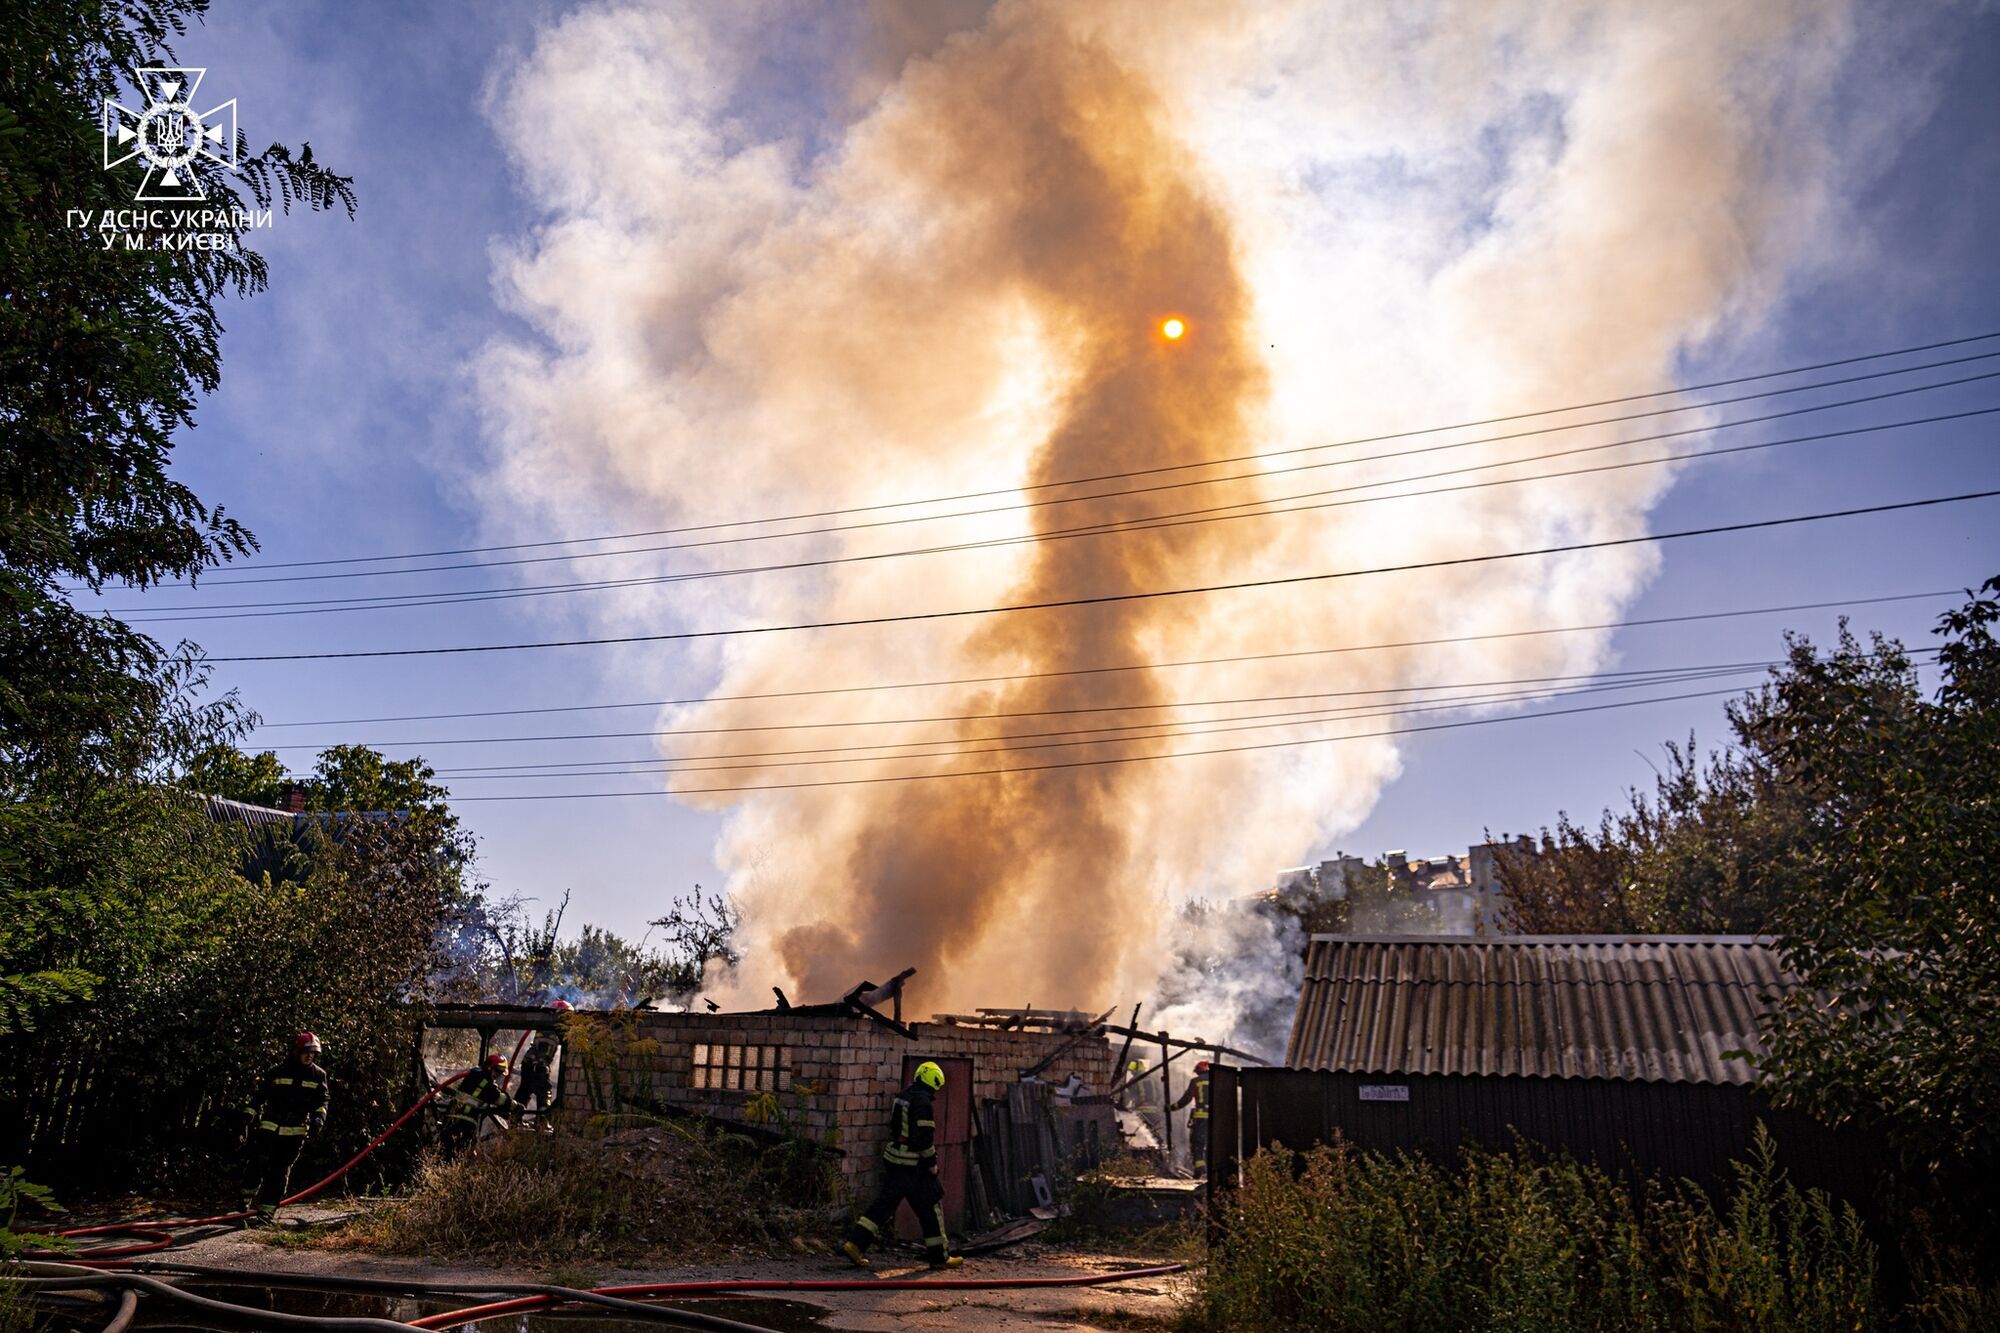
(732, 1067)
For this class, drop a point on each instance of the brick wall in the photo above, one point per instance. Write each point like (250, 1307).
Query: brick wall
(843, 1071)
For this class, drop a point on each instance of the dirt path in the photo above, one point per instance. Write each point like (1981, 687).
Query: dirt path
(1144, 1304)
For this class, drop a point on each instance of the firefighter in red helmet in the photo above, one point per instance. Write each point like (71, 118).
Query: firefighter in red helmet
(475, 1099)
(290, 1108)
(1196, 1093)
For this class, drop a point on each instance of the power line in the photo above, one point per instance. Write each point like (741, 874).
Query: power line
(1098, 763)
(1260, 508)
(1147, 731)
(999, 715)
(1130, 666)
(1258, 474)
(1108, 598)
(1110, 476)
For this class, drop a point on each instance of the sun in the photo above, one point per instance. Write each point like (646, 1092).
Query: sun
(1173, 328)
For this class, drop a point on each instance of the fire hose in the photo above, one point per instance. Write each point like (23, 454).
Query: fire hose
(727, 1287)
(527, 1298)
(146, 1229)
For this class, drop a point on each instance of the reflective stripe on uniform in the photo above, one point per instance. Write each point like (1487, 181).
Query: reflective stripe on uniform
(865, 1221)
(282, 1131)
(927, 1124)
(898, 1156)
(282, 1082)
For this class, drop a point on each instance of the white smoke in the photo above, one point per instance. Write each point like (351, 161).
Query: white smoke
(835, 279)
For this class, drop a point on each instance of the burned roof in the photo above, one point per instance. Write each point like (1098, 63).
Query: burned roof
(1645, 1008)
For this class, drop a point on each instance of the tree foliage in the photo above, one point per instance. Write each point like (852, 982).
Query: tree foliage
(1892, 917)
(127, 936)
(1703, 853)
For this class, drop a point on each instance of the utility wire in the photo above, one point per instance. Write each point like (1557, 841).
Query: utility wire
(1257, 474)
(1139, 731)
(1097, 763)
(1129, 666)
(1005, 715)
(1102, 599)
(1075, 481)
(1257, 508)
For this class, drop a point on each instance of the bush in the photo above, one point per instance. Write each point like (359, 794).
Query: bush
(1342, 1239)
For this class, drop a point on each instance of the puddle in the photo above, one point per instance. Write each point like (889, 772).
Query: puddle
(780, 1316)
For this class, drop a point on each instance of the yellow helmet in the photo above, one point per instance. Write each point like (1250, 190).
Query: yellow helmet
(930, 1075)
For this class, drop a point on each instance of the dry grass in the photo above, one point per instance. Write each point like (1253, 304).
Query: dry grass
(583, 1197)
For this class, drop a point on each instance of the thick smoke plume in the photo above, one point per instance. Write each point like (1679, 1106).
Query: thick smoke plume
(941, 269)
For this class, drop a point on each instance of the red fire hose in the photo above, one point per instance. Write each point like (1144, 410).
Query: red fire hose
(657, 1290)
(147, 1228)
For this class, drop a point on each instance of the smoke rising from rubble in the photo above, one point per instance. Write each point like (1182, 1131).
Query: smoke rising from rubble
(1372, 219)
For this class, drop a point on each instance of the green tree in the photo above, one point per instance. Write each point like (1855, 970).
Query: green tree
(1892, 919)
(113, 886)
(224, 770)
(1704, 853)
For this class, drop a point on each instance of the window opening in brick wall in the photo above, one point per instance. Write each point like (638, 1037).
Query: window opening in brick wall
(740, 1067)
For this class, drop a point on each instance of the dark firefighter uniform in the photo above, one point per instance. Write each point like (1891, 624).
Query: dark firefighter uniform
(535, 1075)
(472, 1101)
(290, 1108)
(1196, 1093)
(909, 1171)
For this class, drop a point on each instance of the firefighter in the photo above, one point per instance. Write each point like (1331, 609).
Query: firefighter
(1143, 1096)
(909, 1171)
(474, 1100)
(1197, 1125)
(537, 1068)
(290, 1108)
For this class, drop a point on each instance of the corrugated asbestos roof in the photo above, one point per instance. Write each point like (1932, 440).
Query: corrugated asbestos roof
(1649, 1008)
(222, 810)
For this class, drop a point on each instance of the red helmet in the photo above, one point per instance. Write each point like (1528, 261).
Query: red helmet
(561, 1007)
(1201, 1066)
(496, 1063)
(303, 1042)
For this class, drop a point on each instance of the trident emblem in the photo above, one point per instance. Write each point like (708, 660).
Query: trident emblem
(169, 134)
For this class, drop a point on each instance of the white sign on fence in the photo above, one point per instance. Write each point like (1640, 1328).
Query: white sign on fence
(1385, 1092)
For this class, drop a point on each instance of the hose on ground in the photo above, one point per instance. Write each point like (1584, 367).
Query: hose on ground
(658, 1290)
(397, 1287)
(85, 1279)
(128, 1306)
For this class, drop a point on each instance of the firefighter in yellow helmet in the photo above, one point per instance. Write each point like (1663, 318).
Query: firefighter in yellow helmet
(909, 1171)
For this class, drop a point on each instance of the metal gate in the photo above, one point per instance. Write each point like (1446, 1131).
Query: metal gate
(954, 1142)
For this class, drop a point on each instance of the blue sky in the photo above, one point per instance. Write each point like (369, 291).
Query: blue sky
(346, 424)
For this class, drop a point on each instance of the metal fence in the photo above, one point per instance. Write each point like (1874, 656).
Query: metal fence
(1631, 1129)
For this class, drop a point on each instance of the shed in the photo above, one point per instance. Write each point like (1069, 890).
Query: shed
(824, 1072)
(1633, 1052)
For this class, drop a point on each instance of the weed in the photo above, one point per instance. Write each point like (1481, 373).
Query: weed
(1340, 1239)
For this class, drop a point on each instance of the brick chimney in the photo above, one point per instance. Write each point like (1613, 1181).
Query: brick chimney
(292, 799)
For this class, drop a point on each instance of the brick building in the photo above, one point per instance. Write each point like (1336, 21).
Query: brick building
(833, 1070)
